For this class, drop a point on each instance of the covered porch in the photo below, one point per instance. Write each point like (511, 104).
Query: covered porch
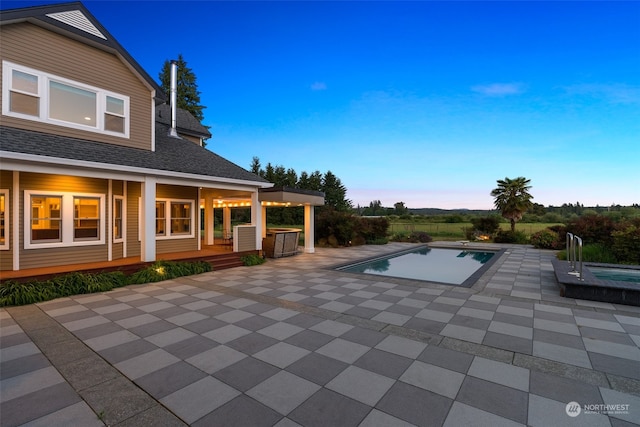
(241, 236)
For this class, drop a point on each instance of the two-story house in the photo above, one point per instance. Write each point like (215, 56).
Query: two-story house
(92, 167)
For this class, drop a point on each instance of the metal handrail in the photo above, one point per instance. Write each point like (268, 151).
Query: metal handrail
(579, 241)
(574, 242)
(570, 251)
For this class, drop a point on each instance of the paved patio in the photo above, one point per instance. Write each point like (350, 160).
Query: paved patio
(292, 342)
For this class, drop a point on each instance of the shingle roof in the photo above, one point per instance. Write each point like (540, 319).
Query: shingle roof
(171, 154)
(186, 123)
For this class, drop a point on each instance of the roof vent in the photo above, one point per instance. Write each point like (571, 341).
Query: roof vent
(77, 19)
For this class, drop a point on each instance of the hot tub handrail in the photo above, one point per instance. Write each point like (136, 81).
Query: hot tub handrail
(579, 241)
(574, 254)
(571, 253)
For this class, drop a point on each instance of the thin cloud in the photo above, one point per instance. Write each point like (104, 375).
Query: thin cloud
(499, 89)
(614, 93)
(318, 86)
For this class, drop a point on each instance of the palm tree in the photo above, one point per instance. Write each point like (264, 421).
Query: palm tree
(512, 198)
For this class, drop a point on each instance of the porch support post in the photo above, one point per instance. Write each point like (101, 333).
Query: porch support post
(15, 220)
(226, 221)
(148, 226)
(264, 221)
(208, 219)
(110, 213)
(257, 218)
(198, 219)
(309, 228)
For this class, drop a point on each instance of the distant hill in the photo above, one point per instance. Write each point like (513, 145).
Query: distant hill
(436, 211)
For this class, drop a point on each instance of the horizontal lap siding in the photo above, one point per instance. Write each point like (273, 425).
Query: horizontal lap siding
(29, 45)
(6, 256)
(117, 251)
(133, 198)
(46, 257)
(246, 239)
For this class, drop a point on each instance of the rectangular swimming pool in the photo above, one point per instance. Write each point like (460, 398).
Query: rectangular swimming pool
(449, 266)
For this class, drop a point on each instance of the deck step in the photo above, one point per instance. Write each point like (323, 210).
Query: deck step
(218, 262)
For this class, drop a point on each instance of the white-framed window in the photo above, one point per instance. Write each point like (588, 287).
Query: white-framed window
(118, 219)
(181, 218)
(35, 95)
(86, 218)
(60, 219)
(174, 218)
(4, 219)
(161, 218)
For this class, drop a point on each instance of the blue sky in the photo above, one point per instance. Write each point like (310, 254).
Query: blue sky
(428, 103)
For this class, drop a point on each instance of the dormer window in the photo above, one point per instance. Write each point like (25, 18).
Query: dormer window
(39, 96)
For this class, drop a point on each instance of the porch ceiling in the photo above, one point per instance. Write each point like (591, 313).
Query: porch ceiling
(279, 196)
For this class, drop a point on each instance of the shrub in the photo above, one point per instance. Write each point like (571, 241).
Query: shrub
(252, 259)
(371, 229)
(508, 236)
(380, 241)
(338, 228)
(14, 293)
(626, 243)
(399, 236)
(486, 225)
(419, 237)
(545, 239)
(335, 226)
(597, 253)
(166, 270)
(592, 229)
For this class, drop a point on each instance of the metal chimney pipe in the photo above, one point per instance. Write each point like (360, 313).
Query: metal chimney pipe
(174, 98)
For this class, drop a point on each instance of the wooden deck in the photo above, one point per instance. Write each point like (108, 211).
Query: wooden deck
(220, 257)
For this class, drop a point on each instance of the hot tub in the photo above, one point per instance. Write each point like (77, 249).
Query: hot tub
(281, 242)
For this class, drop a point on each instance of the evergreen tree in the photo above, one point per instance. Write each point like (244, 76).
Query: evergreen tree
(188, 96)
(335, 193)
(255, 166)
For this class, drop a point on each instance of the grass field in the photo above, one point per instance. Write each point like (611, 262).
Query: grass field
(440, 230)
(456, 231)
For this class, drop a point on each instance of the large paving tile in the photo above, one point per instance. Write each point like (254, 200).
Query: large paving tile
(317, 368)
(199, 398)
(545, 412)
(283, 392)
(465, 415)
(281, 354)
(170, 379)
(497, 399)
(343, 350)
(328, 408)
(361, 385)
(433, 378)
(242, 411)
(415, 405)
(246, 374)
(500, 373)
(215, 359)
(401, 346)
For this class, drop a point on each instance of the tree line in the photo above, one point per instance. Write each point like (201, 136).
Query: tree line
(335, 193)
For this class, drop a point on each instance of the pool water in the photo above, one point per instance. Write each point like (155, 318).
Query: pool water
(616, 274)
(450, 266)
